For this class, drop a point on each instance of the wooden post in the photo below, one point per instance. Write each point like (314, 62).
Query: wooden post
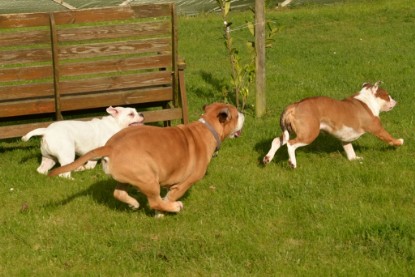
(260, 106)
(55, 64)
(175, 54)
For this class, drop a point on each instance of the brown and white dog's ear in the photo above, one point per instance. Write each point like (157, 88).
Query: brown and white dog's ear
(373, 88)
(224, 115)
(376, 85)
(366, 85)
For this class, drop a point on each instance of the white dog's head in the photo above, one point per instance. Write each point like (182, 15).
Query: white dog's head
(377, 99)
(126, 116)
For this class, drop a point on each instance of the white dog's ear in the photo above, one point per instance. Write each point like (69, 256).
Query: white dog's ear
(224, 115)
(112, 111)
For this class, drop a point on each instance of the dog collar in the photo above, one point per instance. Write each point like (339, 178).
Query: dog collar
(214, 133)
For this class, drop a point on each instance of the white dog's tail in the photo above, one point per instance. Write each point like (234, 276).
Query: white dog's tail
(95, 154)
(35, 132)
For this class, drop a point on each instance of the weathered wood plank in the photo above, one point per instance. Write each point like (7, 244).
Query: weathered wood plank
(115, 65)
(119, 48)
(112, 13)
(27, 107)
(20, 129)
(146, 29)
(10, 93)
(24, 20)
(25, 73)
(150, 116)
(130, 97)
(162, 115)
(159, 78)
(25, 56)
(30, 37)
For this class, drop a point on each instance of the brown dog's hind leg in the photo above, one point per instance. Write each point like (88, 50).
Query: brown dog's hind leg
(305, 136)
(178, 190)
(120, 193)
(152, 192)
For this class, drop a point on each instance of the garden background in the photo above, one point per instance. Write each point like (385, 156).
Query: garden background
(329, 216)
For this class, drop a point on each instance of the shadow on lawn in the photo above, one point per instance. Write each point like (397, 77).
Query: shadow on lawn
(102, 193)
(218, 91)
(11, 145)
(323, 144)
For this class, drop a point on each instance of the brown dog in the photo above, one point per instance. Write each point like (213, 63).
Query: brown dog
(148, 157)
(346, 120)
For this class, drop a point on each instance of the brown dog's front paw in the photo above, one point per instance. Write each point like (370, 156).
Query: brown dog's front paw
(396, 142)
(134, 206)
(179, 206)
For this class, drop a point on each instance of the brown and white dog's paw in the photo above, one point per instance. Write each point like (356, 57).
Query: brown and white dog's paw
(266, 160)
(134, 206)
(158, 214)
(356, 158)
(177, 207)
(292, 164)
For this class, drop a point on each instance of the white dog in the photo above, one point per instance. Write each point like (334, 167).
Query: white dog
(62, 140)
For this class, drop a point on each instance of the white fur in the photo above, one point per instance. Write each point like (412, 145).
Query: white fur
(345, 134)
(366, 95)
(62, 140)
(241, 119)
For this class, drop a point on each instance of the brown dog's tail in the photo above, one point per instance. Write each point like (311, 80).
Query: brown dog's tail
(286, 119)
(91, 155)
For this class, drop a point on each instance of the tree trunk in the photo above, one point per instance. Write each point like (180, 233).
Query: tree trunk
(260, 106)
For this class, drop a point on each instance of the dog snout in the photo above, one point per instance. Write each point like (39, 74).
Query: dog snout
(391, 104)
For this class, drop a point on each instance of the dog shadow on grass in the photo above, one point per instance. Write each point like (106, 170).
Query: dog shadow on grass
(13, 145)
(214, 88)
(102, 193)
(323, 144)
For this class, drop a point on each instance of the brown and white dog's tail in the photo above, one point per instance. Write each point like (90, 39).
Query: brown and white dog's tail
(95, 154)
(287, 118)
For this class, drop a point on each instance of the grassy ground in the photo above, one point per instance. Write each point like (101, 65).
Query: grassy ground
(328, 217)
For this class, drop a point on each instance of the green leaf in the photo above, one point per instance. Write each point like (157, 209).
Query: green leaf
(250, 44)
(251, 28)
(227, 7)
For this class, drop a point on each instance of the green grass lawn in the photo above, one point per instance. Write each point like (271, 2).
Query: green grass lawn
(327, 217)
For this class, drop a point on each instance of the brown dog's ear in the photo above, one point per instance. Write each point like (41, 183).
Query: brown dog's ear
(224, 115)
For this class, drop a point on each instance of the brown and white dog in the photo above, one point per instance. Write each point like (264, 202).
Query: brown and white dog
(346, 120)
(148, 157)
